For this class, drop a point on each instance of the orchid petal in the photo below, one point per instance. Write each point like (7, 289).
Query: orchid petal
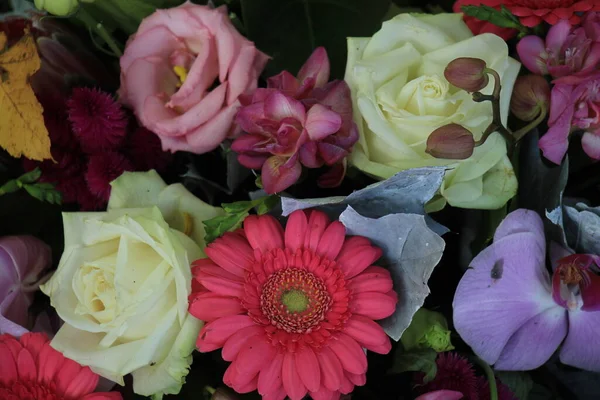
(579, 349)
(532, 52)
(279, 106)
(316, 67)
(591, 144)
(277, 176)
(322, 122)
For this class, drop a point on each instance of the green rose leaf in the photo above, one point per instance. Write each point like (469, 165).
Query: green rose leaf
(416, 361)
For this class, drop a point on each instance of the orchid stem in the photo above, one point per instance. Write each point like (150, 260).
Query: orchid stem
(211, 390)
(489, 372)
(518, 135)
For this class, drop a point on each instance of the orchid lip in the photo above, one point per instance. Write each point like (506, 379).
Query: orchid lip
(576, 284)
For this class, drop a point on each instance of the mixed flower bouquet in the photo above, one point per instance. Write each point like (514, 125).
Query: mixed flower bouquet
(280, 199)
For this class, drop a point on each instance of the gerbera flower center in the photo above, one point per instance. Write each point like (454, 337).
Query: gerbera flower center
(294, 300)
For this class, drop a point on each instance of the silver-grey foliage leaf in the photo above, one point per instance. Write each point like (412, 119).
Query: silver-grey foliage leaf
(582, 228)
(411, 250)
(405, 192)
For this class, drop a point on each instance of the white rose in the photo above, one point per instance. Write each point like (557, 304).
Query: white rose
(400, 96)
(123, 282)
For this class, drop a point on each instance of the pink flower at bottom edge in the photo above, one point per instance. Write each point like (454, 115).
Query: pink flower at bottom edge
(292, 309)
(441, 395)
(32, 370)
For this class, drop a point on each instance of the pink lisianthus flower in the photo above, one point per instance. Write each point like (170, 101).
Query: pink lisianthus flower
(514, 315)
(575, 105)
(478, 26)
(32, 370)
(295, 122)
(170, 69)
(294, 309)
(23, 259)
(566, 50)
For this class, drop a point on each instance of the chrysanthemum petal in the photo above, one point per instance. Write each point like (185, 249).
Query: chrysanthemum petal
(295, 230)
(263, 232)
(351, 355)
(308, 368)
(331, 368)
(269, 378)
(332, 240)
(292, 382)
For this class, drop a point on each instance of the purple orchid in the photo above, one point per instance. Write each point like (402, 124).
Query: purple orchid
(297, 122)
(566, 51)
(514, 316)
(23, 259)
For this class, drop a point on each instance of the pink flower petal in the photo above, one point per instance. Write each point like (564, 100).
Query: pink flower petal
(557, 36)
(591, 145)
(263, 232)
(372, 279)
(292, 382)
(332, 240)
(356, 255)
(8, 365)
(295, 230)
(375, 305)
(209, 306)
(331, 369)
(555, 142)
(26, 367)
(269, 378)
(322, 122)
(317, 224)
(85, 382)
(240, 74)
(214, 334)
(350, 354)
(240, 340)
(441, 395)
(222, 285)
(532, 53)
(248, 116)
(50, 363)
(279, 106)
(284, 82)
(307, 366)
(68, 372)
(368, 334)
(324, 394)
(316, 67)
(277, 176)
(253, 357)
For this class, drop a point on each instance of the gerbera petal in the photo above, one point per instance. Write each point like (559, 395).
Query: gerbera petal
(231, 252)
(578, 348)
(34, 342)
(324, 394)
(346, 386)
(308, 368)
(209, 306)
(269, 378)
(278, 394)
(375, 305)
(317, 223)
(221, 285)
(26, 366)
(103, 396)
(214, 334)
(295, 230)
(356, 255)
(441, 395)
(50, 362)
(238, 340)
(292, 382)
(368, 334)
(255, 355)
(356, 379)
(331, 368)
(332, 240)
(263, 232)
(351, 355)
(68, 372)
(372, 279)
(508, 286)
(85, 382)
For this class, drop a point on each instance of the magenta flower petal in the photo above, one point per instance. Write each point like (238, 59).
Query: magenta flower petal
(580, 349)
(322, 122)
(503, 306)
(557, 36)
(532, 52)
(555, 142)
(316, 67)
(278, 176)
(591, 145)
(22, 260)
(441, 395)
(285, 82)
(279, 106)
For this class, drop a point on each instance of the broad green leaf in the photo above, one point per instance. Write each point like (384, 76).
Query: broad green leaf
(416, 361)
(289, 30)
(502, 18)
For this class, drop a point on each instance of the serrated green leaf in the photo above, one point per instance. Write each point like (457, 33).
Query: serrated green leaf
(416, 361)
(267, 204)
(10, 187)
(217, 226)
(497, 17)
(31, 176)
(34, 192)
(238, 207)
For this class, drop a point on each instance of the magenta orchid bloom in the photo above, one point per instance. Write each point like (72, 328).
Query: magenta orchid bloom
(295, 122)
(23, 259)
(575, 104)
(514, 316)
(566, 51)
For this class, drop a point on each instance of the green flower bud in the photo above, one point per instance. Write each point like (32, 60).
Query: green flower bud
(428, 329)
(57, 7)
(437, 338)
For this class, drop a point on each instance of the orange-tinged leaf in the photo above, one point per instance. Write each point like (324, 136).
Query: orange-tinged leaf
(22, 129)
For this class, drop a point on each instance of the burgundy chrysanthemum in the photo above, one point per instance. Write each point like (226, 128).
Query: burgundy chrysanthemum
(102, 169)
(504, 393)
(454, 372)
(145, 151)
(97, 119)
(57, 122)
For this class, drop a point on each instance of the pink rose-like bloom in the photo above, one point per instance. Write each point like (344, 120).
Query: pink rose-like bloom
(478, 26)
(295, 122)
(22, 262)
(566, 51)
(182, 73)
(575, 104)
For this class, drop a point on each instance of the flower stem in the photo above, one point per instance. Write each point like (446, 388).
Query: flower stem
(491, 378)
(211, 390)
(90, 22)
(518, 135)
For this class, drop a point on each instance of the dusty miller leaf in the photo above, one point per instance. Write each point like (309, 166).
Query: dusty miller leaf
(411, 251)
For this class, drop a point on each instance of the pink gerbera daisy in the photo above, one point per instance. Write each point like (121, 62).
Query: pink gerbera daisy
(32, 370)
(293, 309)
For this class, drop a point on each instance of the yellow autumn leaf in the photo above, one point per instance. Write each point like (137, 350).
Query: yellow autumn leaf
(22, 129)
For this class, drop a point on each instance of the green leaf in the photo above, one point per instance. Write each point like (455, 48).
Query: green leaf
(10, 187)
(238, 207)
(307, 24)
(31, 176)
(258, 182)
(44, 192)
(217, 226)
(502, 18)
(520, 383)
(267, 204)
(416, 361)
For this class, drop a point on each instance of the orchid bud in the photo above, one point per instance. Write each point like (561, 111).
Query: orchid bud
(530, 97)
(452, 142)
(467, 74)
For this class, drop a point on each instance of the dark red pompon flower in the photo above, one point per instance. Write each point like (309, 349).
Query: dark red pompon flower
(102, 169)
(144, 149)
(97, 119)
(454, 372)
